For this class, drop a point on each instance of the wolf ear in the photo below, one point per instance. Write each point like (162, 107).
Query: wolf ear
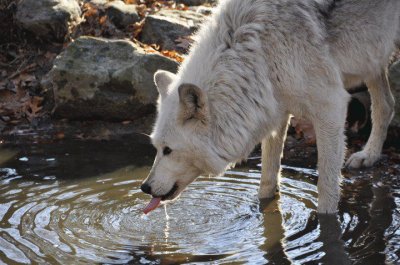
(163, 79)
(193, 104)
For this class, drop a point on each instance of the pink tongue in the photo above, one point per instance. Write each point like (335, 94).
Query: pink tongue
(152, 205)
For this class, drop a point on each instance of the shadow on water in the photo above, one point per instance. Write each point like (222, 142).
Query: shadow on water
(79, 202)
(78, 159)
(329, 235)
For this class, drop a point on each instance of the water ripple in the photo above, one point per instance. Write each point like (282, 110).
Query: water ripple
(216, 220)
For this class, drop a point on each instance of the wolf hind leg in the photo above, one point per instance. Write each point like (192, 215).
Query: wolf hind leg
(382, 113)
(272, 150)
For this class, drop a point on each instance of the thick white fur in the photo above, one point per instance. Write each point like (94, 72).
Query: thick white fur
(256, 62)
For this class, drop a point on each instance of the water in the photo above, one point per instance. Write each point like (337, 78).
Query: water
(80, 203)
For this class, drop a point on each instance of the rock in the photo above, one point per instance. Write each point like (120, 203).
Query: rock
(204, 10)
(104, 79)
(394, 78)
(166, 27)
(196, 2)
(121, 14)
(49, 19)
(98, 3)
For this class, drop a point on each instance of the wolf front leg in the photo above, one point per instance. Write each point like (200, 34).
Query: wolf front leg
(382, 113)
(272, 149)
(329, 128)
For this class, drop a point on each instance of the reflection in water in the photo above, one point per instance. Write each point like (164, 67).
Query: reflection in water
(55, 207)
(333, 246)
(6, 154)
(274, 232)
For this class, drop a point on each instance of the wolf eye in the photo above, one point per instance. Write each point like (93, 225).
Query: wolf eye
(167, 151)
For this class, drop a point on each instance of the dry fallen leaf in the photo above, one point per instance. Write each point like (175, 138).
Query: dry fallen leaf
(142, 10)
(137, 28)
(173, 55)
(33, 107)
(103, 20)
(89, 10)
(130, 2)
(149, 49)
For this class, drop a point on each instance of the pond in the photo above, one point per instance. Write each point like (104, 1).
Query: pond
(79, 202)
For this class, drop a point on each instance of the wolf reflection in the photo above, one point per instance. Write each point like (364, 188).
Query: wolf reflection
(332, 250)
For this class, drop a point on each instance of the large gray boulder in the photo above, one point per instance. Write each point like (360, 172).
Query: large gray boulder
(104, 79)
(394, 78)
(48, 18)
(121, 14)
(167, 27)
(204, 10)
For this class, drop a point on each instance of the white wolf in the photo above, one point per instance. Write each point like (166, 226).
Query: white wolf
(256, 62)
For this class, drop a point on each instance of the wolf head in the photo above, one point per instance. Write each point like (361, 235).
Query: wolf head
(183, 138)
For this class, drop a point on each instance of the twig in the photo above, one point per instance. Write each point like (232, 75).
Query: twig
(19, 71)
(13, 61)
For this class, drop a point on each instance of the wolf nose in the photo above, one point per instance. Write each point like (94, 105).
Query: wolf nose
(146, 188)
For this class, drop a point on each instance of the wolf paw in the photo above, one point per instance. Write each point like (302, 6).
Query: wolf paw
(362, 159)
